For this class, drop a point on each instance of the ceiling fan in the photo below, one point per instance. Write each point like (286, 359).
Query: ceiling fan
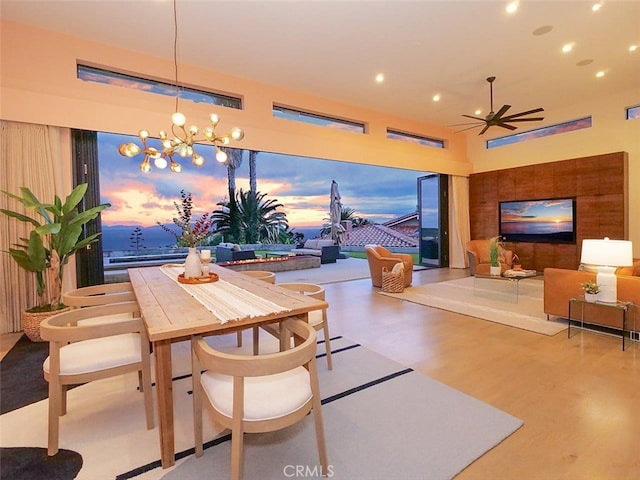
(498, 119)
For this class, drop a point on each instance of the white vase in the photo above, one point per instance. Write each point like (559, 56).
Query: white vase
(192, 266)
(495, 271)
(591, 297)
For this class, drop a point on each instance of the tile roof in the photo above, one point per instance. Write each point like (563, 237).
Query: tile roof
(380, 235)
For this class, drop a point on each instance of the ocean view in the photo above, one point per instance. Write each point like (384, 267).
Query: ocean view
(118, 237)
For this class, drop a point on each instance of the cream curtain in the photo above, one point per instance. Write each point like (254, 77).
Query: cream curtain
(459, 228)
(30, 157)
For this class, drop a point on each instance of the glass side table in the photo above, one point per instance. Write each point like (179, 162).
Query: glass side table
(622, 307)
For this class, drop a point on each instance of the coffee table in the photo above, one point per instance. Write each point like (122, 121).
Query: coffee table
(491, 281)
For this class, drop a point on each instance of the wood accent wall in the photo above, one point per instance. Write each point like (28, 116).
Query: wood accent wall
(599, 183)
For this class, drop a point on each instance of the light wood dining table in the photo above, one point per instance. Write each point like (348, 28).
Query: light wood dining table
(171, 314)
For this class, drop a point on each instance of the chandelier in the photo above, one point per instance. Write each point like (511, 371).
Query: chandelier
(182, 140)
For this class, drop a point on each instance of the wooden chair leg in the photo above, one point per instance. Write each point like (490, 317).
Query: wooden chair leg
(62, 402)
(256, 340)
(239, 338)
(55, 394)
(197, 406)
(317, 418)
(145, 373)
(327, 344)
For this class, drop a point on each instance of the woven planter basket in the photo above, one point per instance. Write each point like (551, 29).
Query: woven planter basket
(392, 282)
(31, 323)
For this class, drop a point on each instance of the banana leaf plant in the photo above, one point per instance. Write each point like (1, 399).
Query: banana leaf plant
(55, 238)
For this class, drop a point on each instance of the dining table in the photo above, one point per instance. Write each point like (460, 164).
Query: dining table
(173, 311)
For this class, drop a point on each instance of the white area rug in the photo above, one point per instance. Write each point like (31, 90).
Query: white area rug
(382, 420)
(493, 300)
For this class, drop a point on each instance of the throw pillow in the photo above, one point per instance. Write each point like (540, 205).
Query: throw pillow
(398, 269)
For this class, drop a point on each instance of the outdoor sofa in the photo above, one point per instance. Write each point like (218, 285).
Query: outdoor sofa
(326, 249)
(231, 252)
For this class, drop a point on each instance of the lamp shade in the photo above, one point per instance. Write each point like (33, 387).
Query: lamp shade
(605, 252)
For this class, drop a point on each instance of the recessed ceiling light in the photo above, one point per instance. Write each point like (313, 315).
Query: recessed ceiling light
(380, 78)
(600, 74)
(596, 6)
(512, 7)
(568, 47)
(633, 48)
(436, 97)
(477, 112)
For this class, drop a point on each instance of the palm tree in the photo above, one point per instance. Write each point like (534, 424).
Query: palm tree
(253, 182)
(258, 219)
(234, 160)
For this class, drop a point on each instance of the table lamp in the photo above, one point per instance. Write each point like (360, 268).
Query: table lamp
(607, 255)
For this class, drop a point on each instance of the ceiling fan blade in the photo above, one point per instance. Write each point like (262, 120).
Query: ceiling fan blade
(504, 125)
(468, 128)
(486, 127)
(475, 118)
(522, 114)
(532, 119)
(462, 124)
(501, 112)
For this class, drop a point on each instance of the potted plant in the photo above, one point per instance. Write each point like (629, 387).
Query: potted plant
(494, 256)
(51, 243)
(591, 290)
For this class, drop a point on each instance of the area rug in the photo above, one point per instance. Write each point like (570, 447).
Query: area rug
(492, 300)
(382, 420)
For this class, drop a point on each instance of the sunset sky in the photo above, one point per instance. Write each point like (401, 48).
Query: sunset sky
(301, 184)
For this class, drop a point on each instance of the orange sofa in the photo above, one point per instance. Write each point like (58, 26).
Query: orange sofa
(379, 258)
(560, 285)
(479, 262)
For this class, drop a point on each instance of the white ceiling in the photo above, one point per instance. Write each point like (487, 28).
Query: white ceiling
(334, 49)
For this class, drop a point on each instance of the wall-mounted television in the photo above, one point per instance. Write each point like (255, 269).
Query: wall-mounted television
(551, 220)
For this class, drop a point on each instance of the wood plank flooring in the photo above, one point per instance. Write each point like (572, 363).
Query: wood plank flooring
(579, 398)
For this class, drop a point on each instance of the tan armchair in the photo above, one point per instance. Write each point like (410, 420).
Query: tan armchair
(379, 258)
(478, 252)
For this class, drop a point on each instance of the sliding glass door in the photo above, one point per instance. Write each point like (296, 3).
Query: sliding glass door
(433, 216)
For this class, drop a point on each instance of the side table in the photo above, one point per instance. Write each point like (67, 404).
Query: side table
(620, 306)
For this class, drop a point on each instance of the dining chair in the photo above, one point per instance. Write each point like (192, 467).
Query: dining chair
(99, 295)
(265, 276)
(81, 351)
(317, 319)
(255, 394)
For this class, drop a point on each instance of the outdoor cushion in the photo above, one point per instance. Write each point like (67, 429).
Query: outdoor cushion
(324, 243)
(98, 354)
(263, 396)
(312, 243)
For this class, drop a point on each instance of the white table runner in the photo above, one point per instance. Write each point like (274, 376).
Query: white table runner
(225, 300)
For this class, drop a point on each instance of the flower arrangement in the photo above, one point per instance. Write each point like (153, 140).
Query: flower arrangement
(590, 287)
(191, 234)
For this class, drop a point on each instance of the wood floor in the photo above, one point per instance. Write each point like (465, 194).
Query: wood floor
(579, 398)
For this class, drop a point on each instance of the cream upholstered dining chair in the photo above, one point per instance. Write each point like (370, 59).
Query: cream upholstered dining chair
(317, 318)
(92, 343)
(265, 276)
(99, 295)
(255, 394)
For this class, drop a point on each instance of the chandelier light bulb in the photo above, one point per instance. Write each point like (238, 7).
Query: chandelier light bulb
(175, 167)
(160, 162)
(162, 134)
(214, 119)
(225, 140)
(178, 119)
(221, 156)
(145, 167)
(237, 133)
(209, 133)
(193, 130)
(143, 134)
(198, 160)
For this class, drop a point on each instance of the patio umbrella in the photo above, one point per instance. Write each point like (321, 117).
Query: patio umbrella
(335, 214)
